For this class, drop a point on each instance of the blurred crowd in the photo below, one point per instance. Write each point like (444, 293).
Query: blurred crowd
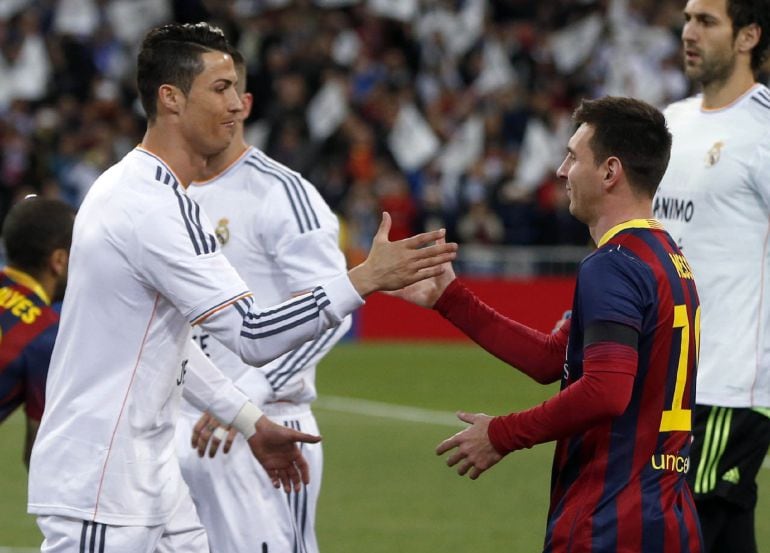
(449, 113)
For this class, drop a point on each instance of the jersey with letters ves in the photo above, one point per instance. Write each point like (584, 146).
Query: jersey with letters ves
(28, 326)
(281, 236)
(715, 201)
(145, 266)
(619, 486)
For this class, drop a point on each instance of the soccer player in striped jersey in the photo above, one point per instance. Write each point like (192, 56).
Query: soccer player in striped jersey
(145, 266)
(622, 419)
(715, 201)
(277, 231)
(36, 235)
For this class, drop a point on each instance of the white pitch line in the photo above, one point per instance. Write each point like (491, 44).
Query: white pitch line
(19, 550)
(399, 412)
(387, 410)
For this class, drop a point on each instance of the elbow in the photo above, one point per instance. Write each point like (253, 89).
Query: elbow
(616, 404)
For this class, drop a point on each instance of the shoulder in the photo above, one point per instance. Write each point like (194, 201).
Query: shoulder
(757, 106)
(683, 107)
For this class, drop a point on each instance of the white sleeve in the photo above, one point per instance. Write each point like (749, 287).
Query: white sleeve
(179, 257)
(208, 389)
(260, 335)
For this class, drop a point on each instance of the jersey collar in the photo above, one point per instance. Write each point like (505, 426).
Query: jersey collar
(28, 282)
(633, 223)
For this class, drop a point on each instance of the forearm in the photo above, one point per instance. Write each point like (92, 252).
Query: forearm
(260, 335)
(537, 354)
(603, 392)
(208, 389)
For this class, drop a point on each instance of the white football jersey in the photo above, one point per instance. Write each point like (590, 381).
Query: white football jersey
(714, 200)
(280, 234)
(144, 266)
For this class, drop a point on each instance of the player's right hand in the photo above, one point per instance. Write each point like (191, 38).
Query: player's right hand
(275, 447)
(394, 265)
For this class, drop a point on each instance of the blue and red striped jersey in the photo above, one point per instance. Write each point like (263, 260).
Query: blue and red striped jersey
(619, 486)
(28, 326)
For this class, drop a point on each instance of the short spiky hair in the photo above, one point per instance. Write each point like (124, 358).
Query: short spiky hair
(33, 229)
(746, 12)
(633, 131)
(171, 54)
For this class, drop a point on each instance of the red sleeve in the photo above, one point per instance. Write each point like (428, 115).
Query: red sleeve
(537, 354)
(603, 392)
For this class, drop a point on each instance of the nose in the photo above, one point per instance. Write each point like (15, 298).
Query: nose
(234, 101)
(688, 32)
(561, 172)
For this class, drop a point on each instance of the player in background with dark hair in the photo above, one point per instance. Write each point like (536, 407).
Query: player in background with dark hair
(145, 268)
(715, 201)
(277, 231)
(622, 419)
(36, 233)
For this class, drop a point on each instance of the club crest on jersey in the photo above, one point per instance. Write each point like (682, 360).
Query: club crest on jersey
(222, 232)
(712, 156)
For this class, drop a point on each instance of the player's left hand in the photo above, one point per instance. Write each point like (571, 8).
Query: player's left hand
(475, 452)
(209, 432)
(275, 447)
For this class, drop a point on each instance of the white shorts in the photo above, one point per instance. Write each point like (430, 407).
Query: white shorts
(237, 503)
(182, 534)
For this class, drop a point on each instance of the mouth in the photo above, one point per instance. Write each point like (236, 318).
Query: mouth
(691, 56)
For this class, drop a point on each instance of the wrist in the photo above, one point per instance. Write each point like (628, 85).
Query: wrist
(246, 419)
(361, 280)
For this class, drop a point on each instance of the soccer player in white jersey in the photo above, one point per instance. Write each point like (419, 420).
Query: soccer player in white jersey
(715, 201)
(278, 232)
(145, 266)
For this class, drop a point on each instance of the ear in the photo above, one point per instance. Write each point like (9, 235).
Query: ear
(613, 171)
(170, 98)
(58, 261)
(748, 37)
(248, 101)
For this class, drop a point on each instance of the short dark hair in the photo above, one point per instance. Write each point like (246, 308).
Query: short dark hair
(33, 229)
(633, 131)
(240, 68)
(171, 54)
(746, 12)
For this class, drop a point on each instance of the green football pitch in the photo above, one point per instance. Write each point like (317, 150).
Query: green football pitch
(382, 409)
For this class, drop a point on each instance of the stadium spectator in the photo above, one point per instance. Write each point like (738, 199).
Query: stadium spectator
(715, 201)
(475, 76)
(36, 235)
(622, 419)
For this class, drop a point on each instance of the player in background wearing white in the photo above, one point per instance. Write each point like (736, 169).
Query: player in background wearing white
(715, 201)
(144, 267)
(277, 231)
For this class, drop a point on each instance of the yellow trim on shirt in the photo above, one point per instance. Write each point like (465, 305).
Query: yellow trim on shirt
(28, 281)
(633, 223)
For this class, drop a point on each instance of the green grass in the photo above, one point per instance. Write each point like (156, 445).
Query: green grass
(384, 488)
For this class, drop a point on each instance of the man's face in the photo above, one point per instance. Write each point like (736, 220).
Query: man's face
(212, 107)
(583, 176)
(709, 45)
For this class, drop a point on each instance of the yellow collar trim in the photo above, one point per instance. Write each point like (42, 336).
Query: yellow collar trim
(633, 223)
(30, 282)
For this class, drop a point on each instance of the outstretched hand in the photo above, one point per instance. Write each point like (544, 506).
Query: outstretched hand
(426, 293)
(394, 265)
(475, 452)
(275, 447)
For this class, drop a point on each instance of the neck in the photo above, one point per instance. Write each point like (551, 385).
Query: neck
(637, 210)
(221, 161)
(44, 279)
(720, 94)
(186, 164)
